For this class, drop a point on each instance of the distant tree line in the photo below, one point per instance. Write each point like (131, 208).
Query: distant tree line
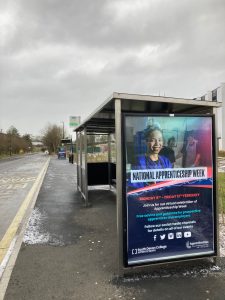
(12, 143)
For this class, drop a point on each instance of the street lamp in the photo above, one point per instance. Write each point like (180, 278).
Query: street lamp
(63, 128)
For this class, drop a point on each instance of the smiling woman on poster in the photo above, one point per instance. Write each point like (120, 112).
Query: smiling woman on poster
(152, 159)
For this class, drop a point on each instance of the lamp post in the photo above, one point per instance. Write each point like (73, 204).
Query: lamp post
(63, 128)
(10, 144)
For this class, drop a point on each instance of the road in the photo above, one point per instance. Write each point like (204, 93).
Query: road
(16, 179)
(20, 182)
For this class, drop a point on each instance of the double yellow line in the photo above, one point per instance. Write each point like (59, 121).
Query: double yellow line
(17, 222)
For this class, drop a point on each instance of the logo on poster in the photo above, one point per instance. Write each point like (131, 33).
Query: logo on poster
(170, 236)
(178, 235)
(188, 245)
(187, 234)
(200, 244)
(162, 236)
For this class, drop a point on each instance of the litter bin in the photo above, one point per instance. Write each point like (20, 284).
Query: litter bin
(71, 157)
(61, 155)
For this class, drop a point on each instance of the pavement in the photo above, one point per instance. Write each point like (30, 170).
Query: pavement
(70, 252)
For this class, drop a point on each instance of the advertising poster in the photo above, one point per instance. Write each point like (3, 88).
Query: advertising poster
(169, 188)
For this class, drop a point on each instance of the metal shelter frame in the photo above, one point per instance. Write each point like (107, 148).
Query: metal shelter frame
(107, 120)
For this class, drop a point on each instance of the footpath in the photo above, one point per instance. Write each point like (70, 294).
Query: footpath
(69, 252)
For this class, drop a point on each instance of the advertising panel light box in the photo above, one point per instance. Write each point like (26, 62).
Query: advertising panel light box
(168, 188)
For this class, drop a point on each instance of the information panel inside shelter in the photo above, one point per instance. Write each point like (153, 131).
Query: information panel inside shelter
(169, 188)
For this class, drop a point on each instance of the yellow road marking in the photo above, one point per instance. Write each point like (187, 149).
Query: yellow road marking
(12, 230)
(17, 179)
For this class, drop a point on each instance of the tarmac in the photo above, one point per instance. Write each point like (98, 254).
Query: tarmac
(70, 252)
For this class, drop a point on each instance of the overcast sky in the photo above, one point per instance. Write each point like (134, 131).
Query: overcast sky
(64, 58)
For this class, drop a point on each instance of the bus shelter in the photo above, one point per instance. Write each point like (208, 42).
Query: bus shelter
(166, 201)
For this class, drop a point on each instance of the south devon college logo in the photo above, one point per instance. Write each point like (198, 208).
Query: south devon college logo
(188, 246)
(200, 244)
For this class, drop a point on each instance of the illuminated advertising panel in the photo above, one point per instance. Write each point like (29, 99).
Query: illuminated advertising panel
(169, 188)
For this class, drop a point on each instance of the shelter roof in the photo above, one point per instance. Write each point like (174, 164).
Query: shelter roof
(102, 120)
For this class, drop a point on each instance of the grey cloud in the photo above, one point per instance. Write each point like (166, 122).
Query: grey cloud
(66, 57)
(91, 23)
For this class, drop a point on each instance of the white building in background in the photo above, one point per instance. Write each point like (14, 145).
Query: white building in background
(218, 95)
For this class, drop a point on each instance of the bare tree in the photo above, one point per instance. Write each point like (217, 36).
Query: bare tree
(13, 131)
(3, 144)
(27, 142)
(51, 137)
(13, 140)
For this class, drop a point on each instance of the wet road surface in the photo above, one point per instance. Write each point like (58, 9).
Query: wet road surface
(16, 178)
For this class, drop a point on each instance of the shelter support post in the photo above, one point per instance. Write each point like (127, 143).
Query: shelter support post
(77, 158)
(214, 112)
(79, 187)
(119, 203)
(82, 176)
(85, 169)
(80, 169)
(109, 161)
